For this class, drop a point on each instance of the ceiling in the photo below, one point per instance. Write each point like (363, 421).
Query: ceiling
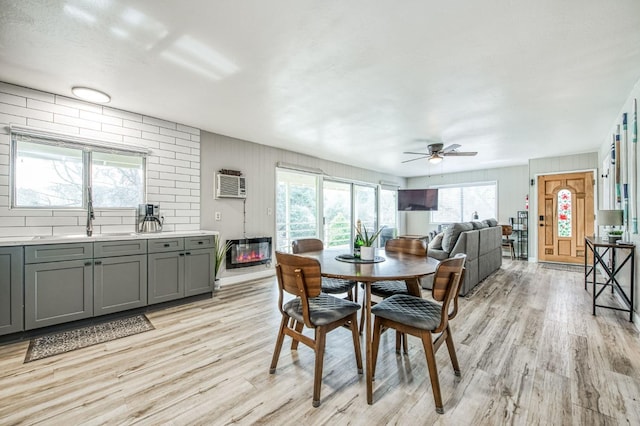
(357, 82)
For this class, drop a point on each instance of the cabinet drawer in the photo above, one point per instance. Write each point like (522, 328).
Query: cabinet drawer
(119, 248)
(165, 244)
(205, 241)
(58, 252)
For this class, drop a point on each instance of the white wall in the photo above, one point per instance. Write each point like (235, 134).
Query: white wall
(627, 107)
(173, 177)
(258, 164)
(513, 186)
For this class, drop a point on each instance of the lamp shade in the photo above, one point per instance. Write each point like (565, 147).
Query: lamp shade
(609, 217)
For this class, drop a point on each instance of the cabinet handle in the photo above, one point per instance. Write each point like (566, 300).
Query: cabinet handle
(98, 262)
(87, 263)
(167, 244)
(200, 242)
(188, 253)
(181, 254)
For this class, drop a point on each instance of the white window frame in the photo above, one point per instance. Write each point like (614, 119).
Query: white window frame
(86, 146)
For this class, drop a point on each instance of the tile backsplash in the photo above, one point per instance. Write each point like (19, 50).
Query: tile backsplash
(173, 167)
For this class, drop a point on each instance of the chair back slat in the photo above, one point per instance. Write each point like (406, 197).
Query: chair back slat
(298, 275)
(406, 245)
(306, 244)
(445, 280)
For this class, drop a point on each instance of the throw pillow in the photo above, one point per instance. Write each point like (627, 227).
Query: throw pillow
(452, 233)
(436, 242)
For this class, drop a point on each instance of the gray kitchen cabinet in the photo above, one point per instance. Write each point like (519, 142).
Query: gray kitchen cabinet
(58, 284)
(11, 294)
(180, 267)
(119, 276)
(199, 265)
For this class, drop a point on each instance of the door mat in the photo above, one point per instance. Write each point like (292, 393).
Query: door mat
(69, 340)
(563, 267)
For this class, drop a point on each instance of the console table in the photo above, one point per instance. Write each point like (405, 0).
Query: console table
(618, 255)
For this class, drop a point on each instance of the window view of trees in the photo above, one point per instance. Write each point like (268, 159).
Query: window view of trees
(296, 208)
(337, 213)
(48, 176)
(117, 180)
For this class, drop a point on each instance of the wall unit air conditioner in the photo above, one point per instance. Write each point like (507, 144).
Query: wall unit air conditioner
(229, 186)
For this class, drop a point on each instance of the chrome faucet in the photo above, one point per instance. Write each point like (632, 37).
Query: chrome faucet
(90, 214)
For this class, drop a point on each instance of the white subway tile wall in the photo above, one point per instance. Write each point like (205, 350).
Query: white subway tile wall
(173, 168)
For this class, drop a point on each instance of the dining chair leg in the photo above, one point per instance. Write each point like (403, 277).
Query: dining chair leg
(279, 341)
(452, 351)
(427, 343)
(364, 311)
(356, 341)
(377, 331)
(298, 327)
(317, 375)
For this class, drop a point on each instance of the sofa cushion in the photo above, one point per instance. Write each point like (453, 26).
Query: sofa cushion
(452, 233)
(491, 222)
(436, 243)
(479, 225)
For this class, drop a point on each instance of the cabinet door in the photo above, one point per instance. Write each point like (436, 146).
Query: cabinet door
(11, 295)
(166, 276)
(57, 292)
(119, 283)
(199, 272)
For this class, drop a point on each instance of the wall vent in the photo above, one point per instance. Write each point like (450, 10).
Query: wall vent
(228, 186)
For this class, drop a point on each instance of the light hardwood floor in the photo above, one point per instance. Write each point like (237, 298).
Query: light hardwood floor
(529, 349)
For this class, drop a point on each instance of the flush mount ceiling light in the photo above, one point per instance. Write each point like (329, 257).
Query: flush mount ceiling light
(435, 158)
(90, 95)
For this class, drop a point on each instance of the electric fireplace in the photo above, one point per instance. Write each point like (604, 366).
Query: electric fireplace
(248, 252)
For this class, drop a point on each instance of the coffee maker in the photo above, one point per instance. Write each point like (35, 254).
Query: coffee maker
(149, 219)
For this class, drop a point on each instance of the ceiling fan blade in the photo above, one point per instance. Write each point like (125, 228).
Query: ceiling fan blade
(418, 158)
(416, 153)
(459, 154)
(451, 147)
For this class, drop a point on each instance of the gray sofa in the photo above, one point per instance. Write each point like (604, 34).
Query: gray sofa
(480, 241)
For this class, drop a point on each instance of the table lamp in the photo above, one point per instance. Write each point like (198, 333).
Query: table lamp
(609, 218)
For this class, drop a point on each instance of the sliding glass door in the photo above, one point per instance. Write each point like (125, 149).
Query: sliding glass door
(296, 208)
(336, 198)
(310, 206)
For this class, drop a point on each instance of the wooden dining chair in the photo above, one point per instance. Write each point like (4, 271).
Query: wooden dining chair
(329, 285)
(385, 289)
(507, 241)
(423, 318)
(300, 277)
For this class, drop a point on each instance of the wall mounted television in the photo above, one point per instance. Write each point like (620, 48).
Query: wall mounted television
(417, 199)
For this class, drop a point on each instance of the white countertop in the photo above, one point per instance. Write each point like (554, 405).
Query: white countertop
(78, 238)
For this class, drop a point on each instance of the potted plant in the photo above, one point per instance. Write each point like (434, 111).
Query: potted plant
(615, 235)
(367, 250)
(219, 252)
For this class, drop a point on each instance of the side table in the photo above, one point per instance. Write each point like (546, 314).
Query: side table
(619, 255)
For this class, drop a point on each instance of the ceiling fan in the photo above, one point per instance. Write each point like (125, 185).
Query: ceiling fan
(437, 151)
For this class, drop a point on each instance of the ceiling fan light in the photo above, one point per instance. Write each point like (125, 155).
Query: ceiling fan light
(435, 159)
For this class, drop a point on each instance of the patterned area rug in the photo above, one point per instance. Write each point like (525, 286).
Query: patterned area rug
(69, 340)
(563, 267)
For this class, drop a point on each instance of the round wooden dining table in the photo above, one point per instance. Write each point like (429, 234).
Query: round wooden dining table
(394, 266)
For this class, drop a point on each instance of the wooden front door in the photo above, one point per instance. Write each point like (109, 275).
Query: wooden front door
(565, 216)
